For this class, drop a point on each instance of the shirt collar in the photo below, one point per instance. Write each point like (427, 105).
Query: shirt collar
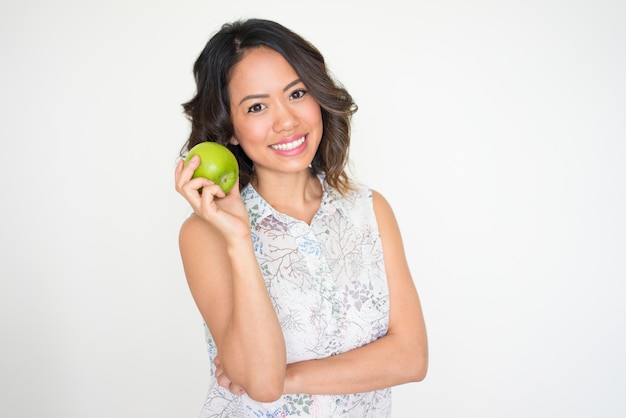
(259, 209)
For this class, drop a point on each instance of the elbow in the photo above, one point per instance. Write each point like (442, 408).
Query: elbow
(265, 392)
(414, 364)
(268, 388)
(420, 372)
(416, 355)
(418, 367)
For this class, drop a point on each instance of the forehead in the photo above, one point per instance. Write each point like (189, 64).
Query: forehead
(261, 68)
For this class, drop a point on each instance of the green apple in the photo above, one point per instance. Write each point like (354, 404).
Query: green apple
(217, 163)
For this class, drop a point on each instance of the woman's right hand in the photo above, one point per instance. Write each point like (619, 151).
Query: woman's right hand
(225, 211)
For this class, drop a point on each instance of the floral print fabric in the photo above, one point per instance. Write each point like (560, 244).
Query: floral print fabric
(328, 286)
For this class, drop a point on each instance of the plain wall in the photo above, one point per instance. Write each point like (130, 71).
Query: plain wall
(496, 130)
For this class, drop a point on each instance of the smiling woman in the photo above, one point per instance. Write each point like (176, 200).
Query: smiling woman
(299, 272)
(269, 100)
(495, 129)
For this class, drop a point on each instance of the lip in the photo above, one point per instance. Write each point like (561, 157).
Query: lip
(290, 151)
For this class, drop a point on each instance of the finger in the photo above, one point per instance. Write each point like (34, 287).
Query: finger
(180, 164)
(181, 175)
(190, 190)
(223, 381)
(197, 184)
(184, 170)
(211, 190)
(178, 182)
(236, 389)
(193, 163)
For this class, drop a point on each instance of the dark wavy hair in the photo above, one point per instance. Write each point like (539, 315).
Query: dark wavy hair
(209, 109)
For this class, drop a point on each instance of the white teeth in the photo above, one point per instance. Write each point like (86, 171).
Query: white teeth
(288, 146)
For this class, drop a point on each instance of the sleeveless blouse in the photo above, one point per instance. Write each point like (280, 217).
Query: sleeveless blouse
(328, 286)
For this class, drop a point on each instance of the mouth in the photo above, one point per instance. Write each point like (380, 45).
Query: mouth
(287, 146)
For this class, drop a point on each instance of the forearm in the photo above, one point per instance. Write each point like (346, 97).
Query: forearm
(252, 349)
(386, 362)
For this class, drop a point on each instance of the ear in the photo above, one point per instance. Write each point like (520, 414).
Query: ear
(233, 141)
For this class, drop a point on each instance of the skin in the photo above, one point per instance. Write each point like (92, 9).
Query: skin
(269, 106)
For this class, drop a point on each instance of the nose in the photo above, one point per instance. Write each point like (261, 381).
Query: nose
(285, 118)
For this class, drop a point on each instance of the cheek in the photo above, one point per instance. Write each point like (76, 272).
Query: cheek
(251, 138)
(248, 131)
(313, 114)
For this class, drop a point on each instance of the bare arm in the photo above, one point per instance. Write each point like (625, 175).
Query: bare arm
(401, 356)
(228, 288)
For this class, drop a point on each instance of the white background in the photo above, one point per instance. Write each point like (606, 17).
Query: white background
(497, 130)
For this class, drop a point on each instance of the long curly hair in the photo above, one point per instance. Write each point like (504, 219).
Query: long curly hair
(209, 109)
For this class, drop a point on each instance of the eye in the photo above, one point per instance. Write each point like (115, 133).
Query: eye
(255, 108)
(298, 94)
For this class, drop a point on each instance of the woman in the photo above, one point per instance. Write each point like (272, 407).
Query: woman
(299, 272)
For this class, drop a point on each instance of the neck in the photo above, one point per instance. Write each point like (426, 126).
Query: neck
(295, 194)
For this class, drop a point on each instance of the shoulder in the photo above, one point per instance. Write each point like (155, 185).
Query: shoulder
(385, 217)
(364, 193)
(196, 234)
(380, 203)
(192, 226)
(357, 194)
(370, 206)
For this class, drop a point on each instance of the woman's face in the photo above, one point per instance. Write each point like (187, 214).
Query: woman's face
(277, 123)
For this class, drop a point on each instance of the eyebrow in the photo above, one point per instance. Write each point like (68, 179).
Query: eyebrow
(261, 96)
